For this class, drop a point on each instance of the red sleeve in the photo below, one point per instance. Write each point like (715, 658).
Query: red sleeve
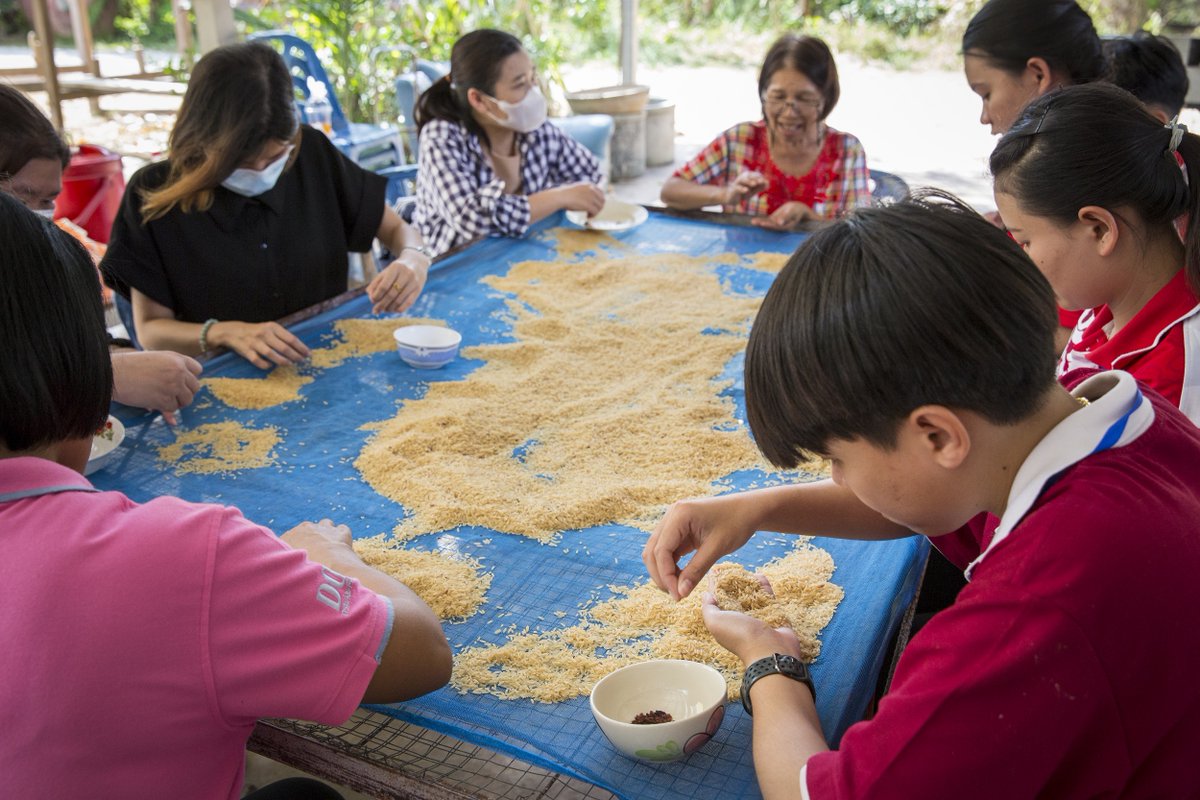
(997, 697)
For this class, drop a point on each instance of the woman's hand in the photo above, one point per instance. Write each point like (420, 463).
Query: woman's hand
(582, 196)
(741, 634)
(400, 284)
(711, 526)
(319, 538)
(262, 343)
(158, 380)
(787, 216)
(747, 184)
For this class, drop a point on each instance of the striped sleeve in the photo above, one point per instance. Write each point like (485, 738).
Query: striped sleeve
(852, 188)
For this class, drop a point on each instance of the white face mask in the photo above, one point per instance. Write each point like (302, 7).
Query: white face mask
(525, 116)
(48, 213)
(253, 182)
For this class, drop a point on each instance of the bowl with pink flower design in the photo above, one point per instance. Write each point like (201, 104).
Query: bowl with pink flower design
(660, 710)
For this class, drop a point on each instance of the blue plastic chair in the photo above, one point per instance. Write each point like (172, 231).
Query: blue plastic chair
(371, 146)
(887, 188)
(409, 85)
(593, 131)
(401, 189)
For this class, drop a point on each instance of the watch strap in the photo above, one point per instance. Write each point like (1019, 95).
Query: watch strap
(777, 664)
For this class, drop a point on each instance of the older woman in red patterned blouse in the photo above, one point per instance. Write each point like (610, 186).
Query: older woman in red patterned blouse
(790, 166)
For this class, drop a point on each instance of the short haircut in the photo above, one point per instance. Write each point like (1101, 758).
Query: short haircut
(55, 369)
(1098, 145)
(1010, 32)
(810, 56)
(1149, 67)
(26, 134)
(890, 308)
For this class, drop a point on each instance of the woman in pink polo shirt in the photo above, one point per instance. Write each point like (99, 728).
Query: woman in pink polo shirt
(1088, 182)
(142, 641)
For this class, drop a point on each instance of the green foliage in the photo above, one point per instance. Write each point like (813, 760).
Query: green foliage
(145, 20)
(366, 43)
(900, 16)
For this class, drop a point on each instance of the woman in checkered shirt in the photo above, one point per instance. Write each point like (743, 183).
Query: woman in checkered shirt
(789, 166)
(489, 163)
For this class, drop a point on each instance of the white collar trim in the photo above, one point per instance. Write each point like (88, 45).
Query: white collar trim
(1118, 414)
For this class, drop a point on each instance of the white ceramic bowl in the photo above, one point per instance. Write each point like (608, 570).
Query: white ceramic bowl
(692, 693)
(104, 445)
(427, 346)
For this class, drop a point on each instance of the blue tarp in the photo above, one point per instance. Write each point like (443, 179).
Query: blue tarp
(314, 477)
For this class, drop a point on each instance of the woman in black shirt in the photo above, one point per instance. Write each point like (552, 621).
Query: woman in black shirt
(249, 220)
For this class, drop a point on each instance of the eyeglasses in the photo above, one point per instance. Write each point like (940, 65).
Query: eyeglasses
(802, 103)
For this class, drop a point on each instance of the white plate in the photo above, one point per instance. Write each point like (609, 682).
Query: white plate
(103, 447)
(617, 215)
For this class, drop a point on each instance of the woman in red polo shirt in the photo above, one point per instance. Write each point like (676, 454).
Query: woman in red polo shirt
(789, 166)
(1089, 184)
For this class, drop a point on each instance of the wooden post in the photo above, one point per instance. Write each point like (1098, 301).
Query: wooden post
(183, 32)
(45, 49)
(81, 31)
(214, 24)
(629, 49)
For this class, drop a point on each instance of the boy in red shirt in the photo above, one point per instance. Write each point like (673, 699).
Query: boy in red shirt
(1065, 667)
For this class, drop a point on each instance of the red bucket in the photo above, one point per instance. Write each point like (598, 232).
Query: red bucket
(92, 188)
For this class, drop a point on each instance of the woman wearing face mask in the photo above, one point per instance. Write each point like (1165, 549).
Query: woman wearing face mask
(249, 220)
(490, 163)
(790, 166)
(32, 160)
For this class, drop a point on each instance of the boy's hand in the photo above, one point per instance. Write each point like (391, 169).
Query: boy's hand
(711, 526)
(741, 634)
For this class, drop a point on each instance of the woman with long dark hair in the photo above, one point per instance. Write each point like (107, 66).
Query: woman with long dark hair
(1015, 51)
(250, 219)
(490, 163)
(1089, 183)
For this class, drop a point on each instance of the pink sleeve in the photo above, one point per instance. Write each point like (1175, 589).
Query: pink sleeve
(286, 637)
(992, 699)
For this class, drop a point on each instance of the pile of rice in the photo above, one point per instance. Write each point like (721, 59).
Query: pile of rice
(606, 408)
(643, 622)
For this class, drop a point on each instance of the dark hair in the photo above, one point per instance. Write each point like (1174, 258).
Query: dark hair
(240, 96)
(1149, 67)
(806, 54)
(1010, 32)
(55, 372)
(475, 62)
(26, 134)
(891, 308)
(1097, 145)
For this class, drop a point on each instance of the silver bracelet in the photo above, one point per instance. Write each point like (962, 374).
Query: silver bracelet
(204, 334)
(420, 248)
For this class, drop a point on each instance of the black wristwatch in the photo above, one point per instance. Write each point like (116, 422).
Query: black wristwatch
(780, 664)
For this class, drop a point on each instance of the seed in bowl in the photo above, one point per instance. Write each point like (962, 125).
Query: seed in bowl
(652, 718)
